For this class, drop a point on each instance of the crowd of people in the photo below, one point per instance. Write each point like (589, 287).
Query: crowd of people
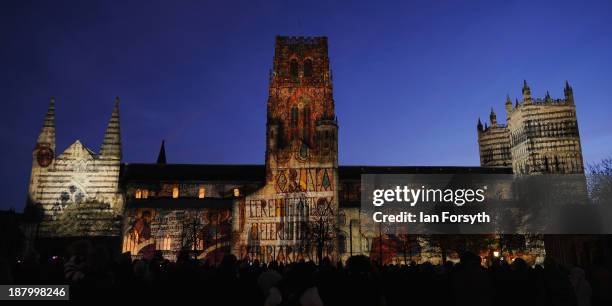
(93, 275)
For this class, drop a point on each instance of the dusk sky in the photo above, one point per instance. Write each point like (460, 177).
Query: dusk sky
(410, 78)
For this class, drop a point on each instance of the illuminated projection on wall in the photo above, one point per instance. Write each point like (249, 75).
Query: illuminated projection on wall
(204, 233)
(303, 180)
(76, 192)
(294, 215)
(287, 227)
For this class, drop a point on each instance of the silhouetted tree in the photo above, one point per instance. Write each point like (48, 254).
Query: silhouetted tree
(599, 181)
(322, 227)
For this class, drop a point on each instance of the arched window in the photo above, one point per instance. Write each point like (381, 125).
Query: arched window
(236, 192)
(293, 68)
(163, 244)
(308, 68)
(201, 192)
(138, 194)
(175, 192)
(167, 243)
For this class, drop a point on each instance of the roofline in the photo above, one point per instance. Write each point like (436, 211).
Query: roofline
(188, 164)
(339, 166)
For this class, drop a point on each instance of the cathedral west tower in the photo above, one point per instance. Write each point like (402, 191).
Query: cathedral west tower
(541, 136)
(76, 192)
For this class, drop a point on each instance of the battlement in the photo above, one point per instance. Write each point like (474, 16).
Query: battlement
(487, 128)
(300, 61)
(551, 101)
(301, 40)
(327, 121)
(540, 103)
(545, 101)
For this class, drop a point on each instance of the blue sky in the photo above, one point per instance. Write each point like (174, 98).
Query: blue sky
(411, 78)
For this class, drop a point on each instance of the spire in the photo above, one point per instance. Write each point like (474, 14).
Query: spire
(526, 92)
(161, 157)
(479, 125)
(547, 97)
(569, 93)
(47, 133)
(508, 106)
(111, 146)
(516, 104)
(493, 118)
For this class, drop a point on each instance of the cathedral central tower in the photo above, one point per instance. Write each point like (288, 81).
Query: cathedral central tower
(293, 216)
(301, 119)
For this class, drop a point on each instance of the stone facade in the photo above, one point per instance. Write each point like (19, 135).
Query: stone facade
(541, 136)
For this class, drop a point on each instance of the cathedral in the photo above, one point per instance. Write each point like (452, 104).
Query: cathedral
(299, 204)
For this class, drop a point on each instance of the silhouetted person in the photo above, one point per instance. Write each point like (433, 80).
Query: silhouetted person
(601, 282)
(79, 263)
(555, 288)
(471, 285)
(268, 284)
(363, 284)
(581, 286)
(298, 286)
(6, 276)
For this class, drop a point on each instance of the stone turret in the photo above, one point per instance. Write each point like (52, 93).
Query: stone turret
(569, 93)
(47, 133)
(493, 118)
(508, 106)
(547, 98)
(526, 93)
(111, 146)
(43, 155)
